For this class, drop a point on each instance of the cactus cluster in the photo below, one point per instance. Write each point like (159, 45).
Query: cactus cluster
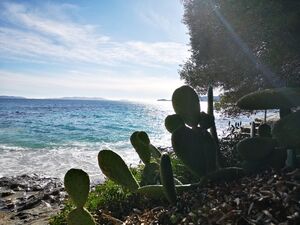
(286, 131)
(113, 166)
(261, 152)
(191, 141)
(77, 184)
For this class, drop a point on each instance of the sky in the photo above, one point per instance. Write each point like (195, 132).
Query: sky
(114, 49)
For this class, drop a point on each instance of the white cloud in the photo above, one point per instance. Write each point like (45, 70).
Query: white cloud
(35, 34)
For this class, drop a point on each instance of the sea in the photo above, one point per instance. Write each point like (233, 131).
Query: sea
(49, 137)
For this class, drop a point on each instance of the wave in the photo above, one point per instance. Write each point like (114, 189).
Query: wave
(55, 162)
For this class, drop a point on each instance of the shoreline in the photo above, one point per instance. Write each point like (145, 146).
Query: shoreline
(30, 199)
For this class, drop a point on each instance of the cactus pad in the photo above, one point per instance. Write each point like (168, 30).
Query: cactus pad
(191, 147)
(150, 175)
(80, 216)
(152, 191)
(287, 130)
(77, 184)
(264, 130)
(113, 166)
(167, 179)
(277, 158)
(172, 122)
(206, 121)
(140, 142)
(186, 104)
(257, 148)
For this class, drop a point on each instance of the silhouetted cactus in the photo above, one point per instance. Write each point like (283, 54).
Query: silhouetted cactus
(277, 158)
(287, 130)
(172, 122)
(167, 179)
(213, 129)
(185, 102)
(141, 143)
(206, 121)
(113, 166)
(195, 149)
(77, 184)
(264, 130)
(257, 148)
(210, 112)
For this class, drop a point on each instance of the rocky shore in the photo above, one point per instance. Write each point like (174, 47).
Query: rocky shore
(29, 199)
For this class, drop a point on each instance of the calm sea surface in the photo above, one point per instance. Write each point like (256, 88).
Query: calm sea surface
(51, 136)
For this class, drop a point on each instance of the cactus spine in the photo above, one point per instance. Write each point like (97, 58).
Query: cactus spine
(77, 184)
(167, 179)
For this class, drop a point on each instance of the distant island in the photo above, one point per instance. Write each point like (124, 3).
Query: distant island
(11, 97)
(163, 100)
(62, 98)
(202, 98)
(79, 98)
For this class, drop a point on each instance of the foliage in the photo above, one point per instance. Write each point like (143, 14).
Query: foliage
(242, 45)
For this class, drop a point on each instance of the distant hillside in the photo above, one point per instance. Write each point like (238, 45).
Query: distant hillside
(163, 100)
(62, 98)
(11, 97)
(81, 98)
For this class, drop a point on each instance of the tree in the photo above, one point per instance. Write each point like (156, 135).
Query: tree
(242, 46)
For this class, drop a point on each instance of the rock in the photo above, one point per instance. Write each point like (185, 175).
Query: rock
(30, 199)
(6, 193)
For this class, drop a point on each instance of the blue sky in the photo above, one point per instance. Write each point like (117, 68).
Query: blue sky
(114, 49)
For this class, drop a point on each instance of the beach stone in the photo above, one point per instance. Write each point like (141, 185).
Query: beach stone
(30, 199)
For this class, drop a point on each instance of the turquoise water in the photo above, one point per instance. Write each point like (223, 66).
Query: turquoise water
(50, 136)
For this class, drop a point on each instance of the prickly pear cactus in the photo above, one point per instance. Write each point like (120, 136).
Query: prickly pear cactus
(152, 191)
(186, 104)
(196, 150)
(80, 216)
(113, 166)
(264, 130)
(150, 174)
(140, 141)
(172, 122)
(257, 148)
(277, 158)
(287, 130)
(167, 179)
(77, 184)
(155, 152)
(206, 121)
